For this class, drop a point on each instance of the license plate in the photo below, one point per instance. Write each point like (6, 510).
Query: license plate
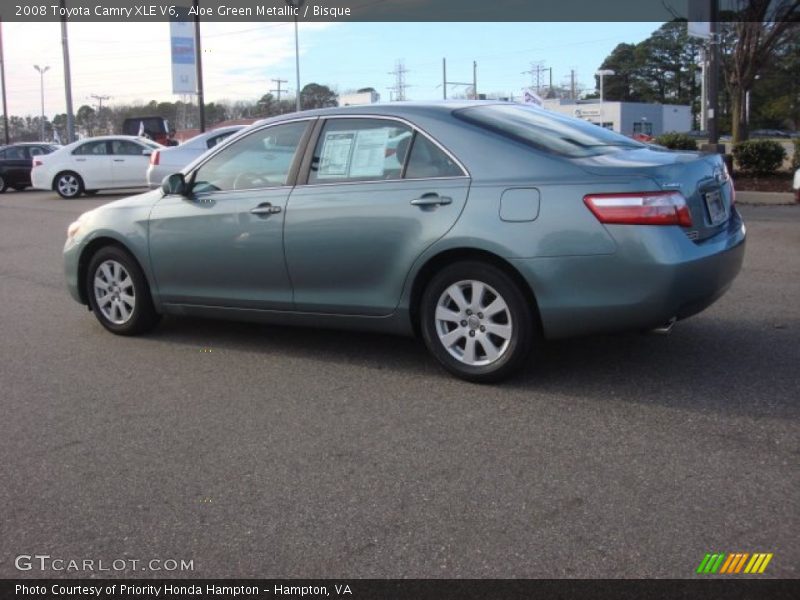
(716, 207)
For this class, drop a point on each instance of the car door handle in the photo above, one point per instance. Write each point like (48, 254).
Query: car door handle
(119, 160)
(80, 160)
(432, 200)
(265, 209)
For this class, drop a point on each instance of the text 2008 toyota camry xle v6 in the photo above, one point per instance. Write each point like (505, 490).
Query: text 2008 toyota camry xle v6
(483, 227)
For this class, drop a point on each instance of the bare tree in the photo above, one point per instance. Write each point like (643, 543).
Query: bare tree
(749, 43)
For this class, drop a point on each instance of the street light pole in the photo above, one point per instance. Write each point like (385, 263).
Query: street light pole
(42, 71)
(296, 4)
(602, 73)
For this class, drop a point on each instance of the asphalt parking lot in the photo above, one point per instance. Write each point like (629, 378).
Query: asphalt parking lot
(262, 451)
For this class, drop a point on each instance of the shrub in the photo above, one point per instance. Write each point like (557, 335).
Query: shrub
(676, 141)
(759, 157)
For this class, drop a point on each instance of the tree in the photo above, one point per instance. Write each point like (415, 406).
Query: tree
(761, 28)
(315, 95)
(85, 119)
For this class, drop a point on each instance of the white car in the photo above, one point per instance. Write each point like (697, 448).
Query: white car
(169, 160)
(796, 185)
(92, 164)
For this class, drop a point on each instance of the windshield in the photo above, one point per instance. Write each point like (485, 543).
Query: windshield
(547, 131)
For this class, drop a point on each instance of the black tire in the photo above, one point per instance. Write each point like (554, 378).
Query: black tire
(3, 185)
(68, 184)
(19, 188)
(517, 316)
(143, 316)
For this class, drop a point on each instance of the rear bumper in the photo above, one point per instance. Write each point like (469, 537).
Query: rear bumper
(656, 273)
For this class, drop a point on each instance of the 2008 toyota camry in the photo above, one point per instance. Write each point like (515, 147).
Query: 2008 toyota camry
(483, 227)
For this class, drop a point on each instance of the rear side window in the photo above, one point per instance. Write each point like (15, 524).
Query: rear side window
(546, 131)
(126, 147)
(428, 160)
(92, 148)
(213, 141)
(360, 150)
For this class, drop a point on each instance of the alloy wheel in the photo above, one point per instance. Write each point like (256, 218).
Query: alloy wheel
(114, 292)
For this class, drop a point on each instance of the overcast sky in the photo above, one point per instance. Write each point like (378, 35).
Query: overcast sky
(131, 61)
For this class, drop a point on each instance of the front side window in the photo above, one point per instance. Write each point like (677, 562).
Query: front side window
(261, 159)
(37, 151)
(360, 150)
(92, 148)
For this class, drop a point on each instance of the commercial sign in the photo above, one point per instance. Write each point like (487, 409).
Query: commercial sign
(184, 68)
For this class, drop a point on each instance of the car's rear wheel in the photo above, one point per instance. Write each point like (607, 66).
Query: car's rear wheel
(68, 185)
(476, 321)
(118, 292)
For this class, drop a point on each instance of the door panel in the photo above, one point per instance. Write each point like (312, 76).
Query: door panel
(213, 251)
(128, 164)
(93, 163)
(349, 247)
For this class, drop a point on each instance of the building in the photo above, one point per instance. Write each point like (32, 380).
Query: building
(627, 118)
(368, 97)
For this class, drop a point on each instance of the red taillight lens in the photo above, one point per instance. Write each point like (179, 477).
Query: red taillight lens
(640, 208)
(37, 162)
(155, 157)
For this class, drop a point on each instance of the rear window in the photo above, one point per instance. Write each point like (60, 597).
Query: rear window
(546, 131)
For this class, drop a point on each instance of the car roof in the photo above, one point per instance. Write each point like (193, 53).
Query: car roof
(388, 109)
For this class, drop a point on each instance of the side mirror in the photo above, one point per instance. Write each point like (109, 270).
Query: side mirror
(147, 152)
(174, 185)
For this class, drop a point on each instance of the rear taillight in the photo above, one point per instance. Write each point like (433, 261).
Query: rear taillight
(640, 208)
(155, 157)
(37, 162)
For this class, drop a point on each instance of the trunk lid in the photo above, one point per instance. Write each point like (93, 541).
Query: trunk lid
(701, 178)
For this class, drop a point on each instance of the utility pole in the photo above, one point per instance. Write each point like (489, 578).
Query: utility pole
(198, 55)
(474, 80)
(572, 84)
(713, 83)
(279, 90)
(3, 83)
(67, 76)
(42, 71)
(444, 78)
(295, 5)
(99, 99)
(400, 84)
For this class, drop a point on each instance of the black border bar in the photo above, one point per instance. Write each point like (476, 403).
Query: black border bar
(401, 589)
(380, 10)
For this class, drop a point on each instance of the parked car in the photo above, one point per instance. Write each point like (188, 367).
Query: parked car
(769, 133)
(16, 161)
(166, 161)
(796, 185)
(497, 226)
(92, 164)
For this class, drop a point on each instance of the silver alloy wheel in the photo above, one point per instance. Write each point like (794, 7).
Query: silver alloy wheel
(68, 185)
(114, 292)
(473, 322)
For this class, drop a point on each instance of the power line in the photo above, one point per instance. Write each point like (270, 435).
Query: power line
(99, 99)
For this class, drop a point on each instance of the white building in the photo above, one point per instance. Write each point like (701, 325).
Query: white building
(627, 117)
(359, 98)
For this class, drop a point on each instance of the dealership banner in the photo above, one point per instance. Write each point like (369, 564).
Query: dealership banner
(184, 67)
(375, 10)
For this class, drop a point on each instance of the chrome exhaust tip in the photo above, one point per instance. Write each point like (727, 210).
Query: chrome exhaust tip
(665, 329)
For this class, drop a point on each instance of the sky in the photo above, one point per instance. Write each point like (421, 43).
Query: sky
(130, 62)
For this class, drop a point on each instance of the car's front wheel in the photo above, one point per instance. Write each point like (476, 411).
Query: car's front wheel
(477, 322)
(68, 185)
(118, 292)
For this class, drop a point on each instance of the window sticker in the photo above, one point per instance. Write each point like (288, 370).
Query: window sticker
(369, 155)
(335, 156)
(353, 154)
